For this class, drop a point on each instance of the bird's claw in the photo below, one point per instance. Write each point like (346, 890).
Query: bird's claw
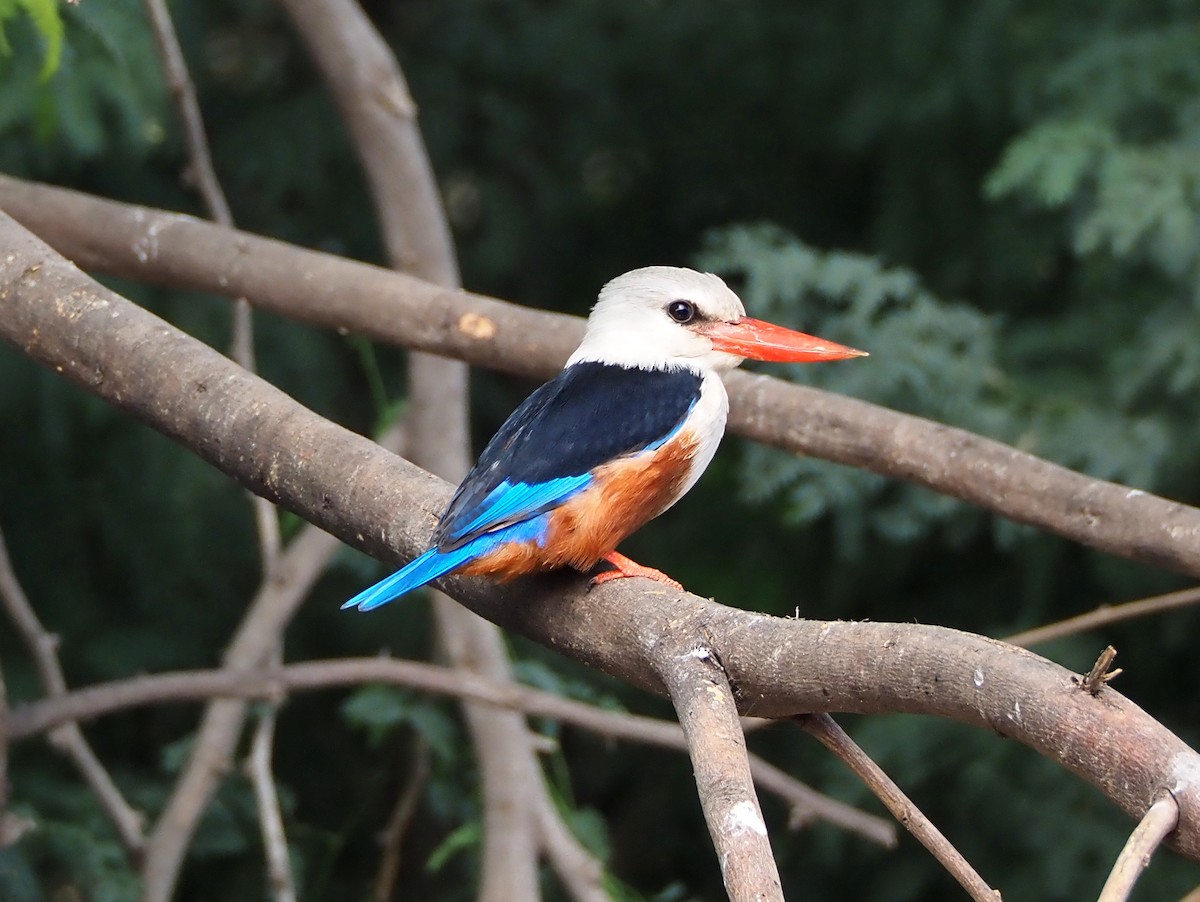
(624, 568)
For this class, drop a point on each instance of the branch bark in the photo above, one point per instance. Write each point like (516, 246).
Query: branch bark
(708, 714)
(169, 249)
(385, 506)
(1160, 819)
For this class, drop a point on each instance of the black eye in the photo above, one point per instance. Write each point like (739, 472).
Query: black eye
(681, 311)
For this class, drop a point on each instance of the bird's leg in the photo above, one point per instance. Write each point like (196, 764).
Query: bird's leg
(625, 568)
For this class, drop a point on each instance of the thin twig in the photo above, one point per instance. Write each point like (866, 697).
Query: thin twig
(67, 737)
(270, 816)
(581, 873)
(272, 608)
(108, 698)
(405, 809)
(834, 738)
(203, 175)
(3, 750)
(1100, 676)
(200, 167)
(708, 714)
(1160, 820)
(1106, 615)
(806, 805)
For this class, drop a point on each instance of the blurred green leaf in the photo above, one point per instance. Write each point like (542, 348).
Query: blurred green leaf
(44, 14)
(465, 837)
(380, 709)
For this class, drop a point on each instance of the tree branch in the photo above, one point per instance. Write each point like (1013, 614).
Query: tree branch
(385, 506)
(270, 815)
(405, 809)
(833, 737)
(107, 698)
(66, 737)
(1106, 615)
(325, 291)
(200, 171)
(700, 691)
(581, 873)
(1160, 819)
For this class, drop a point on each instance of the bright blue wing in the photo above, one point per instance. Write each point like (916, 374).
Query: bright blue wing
(513, 502)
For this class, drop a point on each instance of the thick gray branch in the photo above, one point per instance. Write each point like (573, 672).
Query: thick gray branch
(169, 249)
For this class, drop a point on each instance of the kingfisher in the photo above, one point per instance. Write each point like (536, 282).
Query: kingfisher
(609, 443)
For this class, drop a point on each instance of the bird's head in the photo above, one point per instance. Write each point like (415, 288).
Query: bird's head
(665, 316)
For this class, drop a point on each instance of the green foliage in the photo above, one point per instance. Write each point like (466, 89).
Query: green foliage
(1113, 154)
(380, 709)
(465, 837)
(72, 848)
(931, 358)
(45, 17)
(1051, 161)
(99, 98)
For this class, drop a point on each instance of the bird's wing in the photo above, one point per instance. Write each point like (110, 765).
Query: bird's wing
(589, 414)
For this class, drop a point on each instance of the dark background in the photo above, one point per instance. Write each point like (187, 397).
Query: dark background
(1000, 200)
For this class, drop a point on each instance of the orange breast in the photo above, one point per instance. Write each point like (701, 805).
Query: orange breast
(626, 495)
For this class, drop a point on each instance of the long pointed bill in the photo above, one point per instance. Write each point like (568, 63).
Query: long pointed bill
(760, 340)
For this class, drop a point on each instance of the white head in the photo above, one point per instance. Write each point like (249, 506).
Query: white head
(662, 317)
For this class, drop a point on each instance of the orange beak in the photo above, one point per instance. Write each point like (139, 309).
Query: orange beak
(760, 340)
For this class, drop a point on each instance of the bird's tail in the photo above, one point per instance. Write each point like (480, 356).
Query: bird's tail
(416, 573)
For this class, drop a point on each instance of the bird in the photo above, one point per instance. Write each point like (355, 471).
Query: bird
(612, 441)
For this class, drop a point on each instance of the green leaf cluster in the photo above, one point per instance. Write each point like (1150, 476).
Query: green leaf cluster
(45, 17)
(91, 95)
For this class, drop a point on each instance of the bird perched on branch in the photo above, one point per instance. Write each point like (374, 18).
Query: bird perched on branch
(609, 443)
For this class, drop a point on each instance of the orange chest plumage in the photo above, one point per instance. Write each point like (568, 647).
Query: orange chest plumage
(626, 494)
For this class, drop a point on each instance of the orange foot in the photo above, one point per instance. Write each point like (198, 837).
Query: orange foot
(625, 568)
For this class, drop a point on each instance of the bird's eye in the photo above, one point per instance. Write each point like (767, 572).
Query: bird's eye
(681, 311)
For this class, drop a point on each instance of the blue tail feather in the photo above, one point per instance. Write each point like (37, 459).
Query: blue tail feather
(416, 573)
(434, 563)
